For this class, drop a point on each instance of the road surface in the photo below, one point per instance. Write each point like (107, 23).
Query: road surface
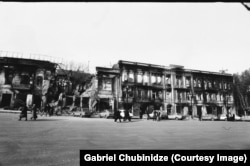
(57, 140)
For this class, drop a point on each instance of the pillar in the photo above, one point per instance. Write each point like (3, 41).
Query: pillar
(173, 93)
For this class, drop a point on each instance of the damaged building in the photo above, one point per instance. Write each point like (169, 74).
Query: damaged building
(20, 77)
(134, 85)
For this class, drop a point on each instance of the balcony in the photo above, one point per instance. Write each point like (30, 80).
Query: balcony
(169, 100)
(212, 101)
(22, 86)
(211, 89)
(128, 100)
(182, 101)
(158, 86)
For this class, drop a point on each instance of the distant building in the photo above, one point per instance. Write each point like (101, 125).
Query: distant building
(172, 88)
(19, 77)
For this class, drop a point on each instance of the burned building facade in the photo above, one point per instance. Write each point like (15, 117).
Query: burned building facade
(107, 88)
(171, 88)
(19, 77)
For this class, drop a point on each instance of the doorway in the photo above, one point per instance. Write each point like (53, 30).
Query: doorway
(6, 99)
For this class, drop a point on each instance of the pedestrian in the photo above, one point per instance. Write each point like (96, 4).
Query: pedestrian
(129, 114)
(51, 107)
(23, 113)
(200, 116)
(47, 109)
(117, 115)
(126, 116)
(154, 115)
(34, 112)
(158, 118)
(147, 112)
(140, 113)
(60, 103)
(44, 104)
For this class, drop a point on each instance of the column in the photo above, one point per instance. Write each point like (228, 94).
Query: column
(173, 93)
(184, 81)
(164, 91)
(150, 75)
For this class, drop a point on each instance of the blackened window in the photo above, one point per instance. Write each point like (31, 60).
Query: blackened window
(144, 94)
(25, 79)
(39, 81)
(139, 94)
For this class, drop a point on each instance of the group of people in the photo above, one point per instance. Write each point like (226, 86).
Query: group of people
(125, 115)
(49, 106)
(156, 113)
(24, 112)
(118, 116)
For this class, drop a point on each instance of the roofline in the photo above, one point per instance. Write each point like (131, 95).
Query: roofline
(44, 61)
(173, 67)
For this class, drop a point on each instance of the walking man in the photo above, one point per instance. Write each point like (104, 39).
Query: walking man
(23, 114)
(117, 115)
(147, 112)
(34, 112)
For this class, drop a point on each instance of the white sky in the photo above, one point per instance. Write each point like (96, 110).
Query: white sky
(203, 36)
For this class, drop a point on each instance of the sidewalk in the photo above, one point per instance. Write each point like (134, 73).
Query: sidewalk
(11, 111)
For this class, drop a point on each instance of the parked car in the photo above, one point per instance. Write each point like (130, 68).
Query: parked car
(245, 118)
(235, 118)
(104, 114)
(209, 117)
(175, 117)
(222, 117)
(163, 114)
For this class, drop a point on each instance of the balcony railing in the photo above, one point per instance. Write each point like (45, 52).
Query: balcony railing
(22, 86)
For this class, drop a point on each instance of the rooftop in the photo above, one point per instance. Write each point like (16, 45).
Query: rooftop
(172, 67)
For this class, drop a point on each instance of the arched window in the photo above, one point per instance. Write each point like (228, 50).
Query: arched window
(124, 76)
(153, 79)
(131, 76)
(145, 77)
(188, 82)
(139, 77)
(195, 83)
(199, 83)
(167, 80)
(159, 80)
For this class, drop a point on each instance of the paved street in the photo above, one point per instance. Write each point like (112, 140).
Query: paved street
(57, 140)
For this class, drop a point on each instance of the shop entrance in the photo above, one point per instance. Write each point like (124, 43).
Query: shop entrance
(209, 110)
(103, 104)
(199, 112)
(179, 109)
(169, 108)
(219, 110)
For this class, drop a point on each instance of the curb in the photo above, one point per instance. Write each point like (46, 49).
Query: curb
(12, 111)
